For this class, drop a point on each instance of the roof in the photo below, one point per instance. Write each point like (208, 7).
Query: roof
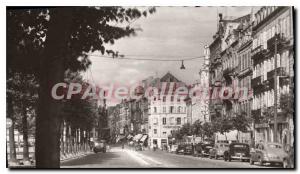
(169, 78)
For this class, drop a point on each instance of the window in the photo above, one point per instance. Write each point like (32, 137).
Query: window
(164, 98)
(249, 58)
(155, 131)
(154, 109)
(164, 133)
(164, 109)
(178, 120)
(164, 120)
(155, 121)
(171, 120)
(172, 98)
(179, 109)
(171, 109)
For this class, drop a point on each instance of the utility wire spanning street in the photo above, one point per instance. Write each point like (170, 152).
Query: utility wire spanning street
(117, 157)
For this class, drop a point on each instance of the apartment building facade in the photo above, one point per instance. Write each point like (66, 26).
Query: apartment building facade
(166, 112)
(272, 28)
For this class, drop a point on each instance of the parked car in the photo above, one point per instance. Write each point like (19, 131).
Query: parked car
(205, 150)
(99, 146)
(138, 147)
(180, 149)
(237, 151)
(174, 148)
(269, 153)
(188, 149)
(218, 150)
(197, 149)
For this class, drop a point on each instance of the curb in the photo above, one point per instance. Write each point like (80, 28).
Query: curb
(75, 157)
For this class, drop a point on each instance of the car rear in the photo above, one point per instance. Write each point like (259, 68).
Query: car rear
(240, 152)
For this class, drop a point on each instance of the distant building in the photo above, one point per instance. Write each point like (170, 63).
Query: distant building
(166, 113)
(197, 106)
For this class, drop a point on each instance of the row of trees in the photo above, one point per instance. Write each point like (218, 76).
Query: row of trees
(47, 42)
(78, 116)
(222, 125)
(240, 122)
(21, 109)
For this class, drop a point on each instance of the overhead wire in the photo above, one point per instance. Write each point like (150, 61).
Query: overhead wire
(123, 57)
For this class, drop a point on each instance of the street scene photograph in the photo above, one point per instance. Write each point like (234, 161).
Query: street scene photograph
(112, 87)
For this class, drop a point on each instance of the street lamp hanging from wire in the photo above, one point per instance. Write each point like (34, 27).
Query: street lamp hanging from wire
(182, 65)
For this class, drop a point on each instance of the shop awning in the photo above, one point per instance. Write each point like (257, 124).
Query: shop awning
(129, 136)
(144, 138)
(137, 137)
(120, 137)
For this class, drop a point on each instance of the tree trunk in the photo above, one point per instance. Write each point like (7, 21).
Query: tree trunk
(25, 136)
(62, 138)
(51, 73)
(72, 140)
(67, 151)
(12, 146)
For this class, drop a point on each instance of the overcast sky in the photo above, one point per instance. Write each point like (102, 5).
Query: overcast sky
(170, 33)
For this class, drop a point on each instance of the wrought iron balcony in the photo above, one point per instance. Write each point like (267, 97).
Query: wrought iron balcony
(282, 42)
(259, 54)
(280, 72)
(257, 81)
(245, 72)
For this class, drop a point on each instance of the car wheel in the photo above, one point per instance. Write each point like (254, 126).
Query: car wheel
(210, 157)
(261, 163)
(251, 161)
(285, 163)
(216, 157)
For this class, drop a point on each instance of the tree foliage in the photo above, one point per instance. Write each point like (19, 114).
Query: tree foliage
(287, 104)
(45, 42)
(241, 122)
(222, 125)
(23, 90)
(90, 28)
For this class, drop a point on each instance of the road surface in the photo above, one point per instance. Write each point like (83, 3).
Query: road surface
(127, 158)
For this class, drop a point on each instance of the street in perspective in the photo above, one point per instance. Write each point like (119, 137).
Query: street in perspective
(150, 87)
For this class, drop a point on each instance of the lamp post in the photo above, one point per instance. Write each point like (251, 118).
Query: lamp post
(275, 89)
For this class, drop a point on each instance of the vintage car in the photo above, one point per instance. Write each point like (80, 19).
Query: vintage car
(138, 147)
(202, 149)
(99, 146)
(237, 151)
(197, 149)
(180, 149)
(269, 153)
(188, 149)
(205, 149)
(173, 148)
(218, 150)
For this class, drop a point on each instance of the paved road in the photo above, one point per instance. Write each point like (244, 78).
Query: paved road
(127, 158)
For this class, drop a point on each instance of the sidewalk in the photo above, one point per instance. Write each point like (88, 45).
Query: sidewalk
(72, 156)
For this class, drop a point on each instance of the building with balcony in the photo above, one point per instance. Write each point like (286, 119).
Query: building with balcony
(272, 28)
